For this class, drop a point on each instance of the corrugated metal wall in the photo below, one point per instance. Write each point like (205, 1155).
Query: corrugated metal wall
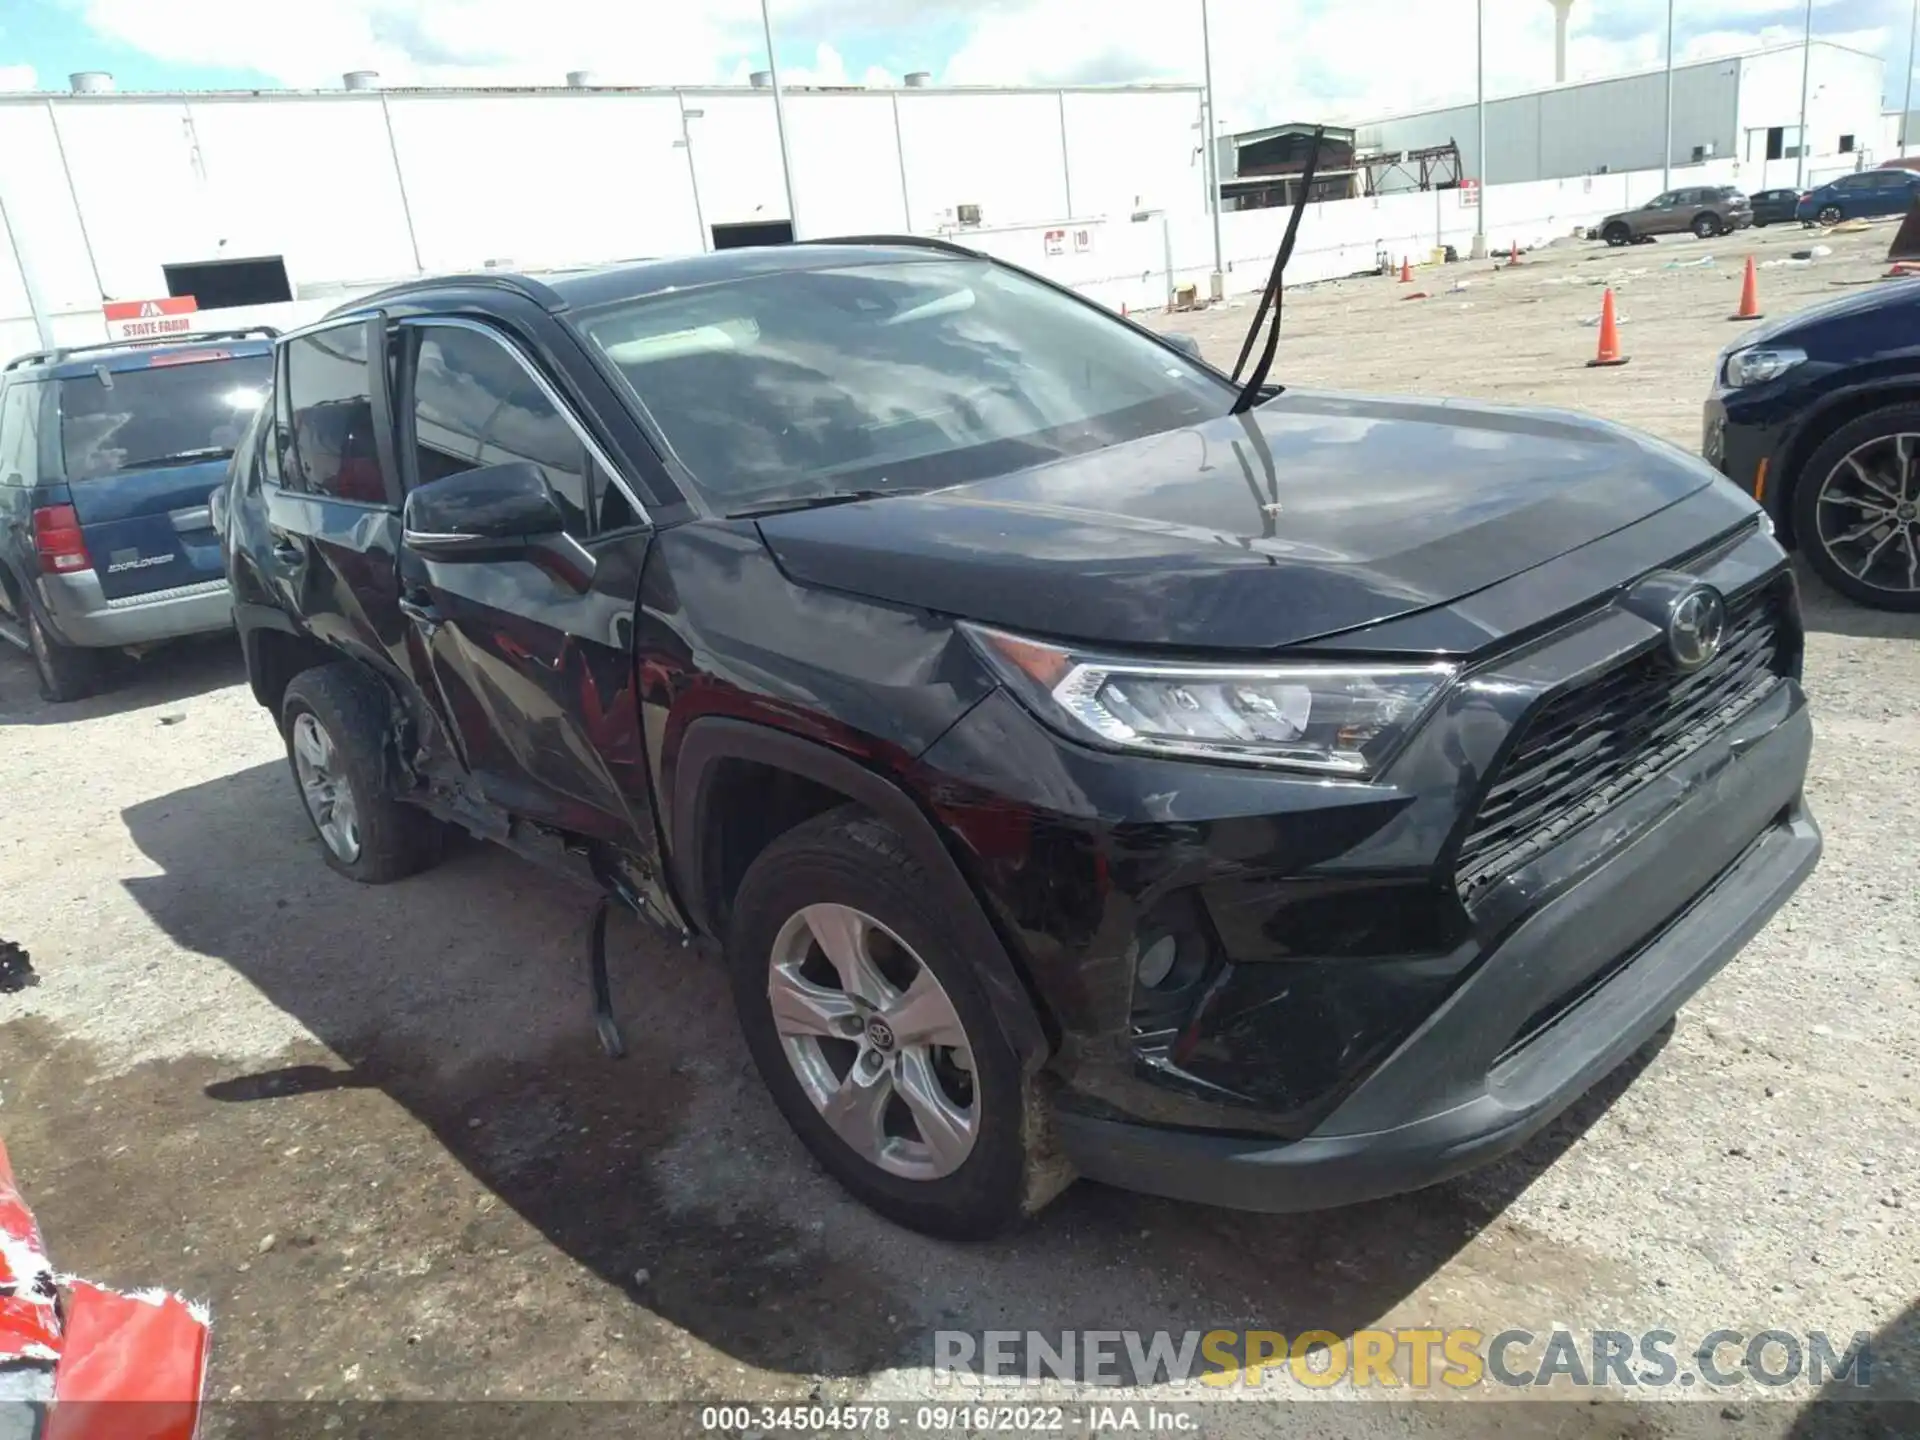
(365, 187)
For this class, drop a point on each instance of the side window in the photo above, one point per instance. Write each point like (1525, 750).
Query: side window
(324, 418)
(20, 433)
(474, 404)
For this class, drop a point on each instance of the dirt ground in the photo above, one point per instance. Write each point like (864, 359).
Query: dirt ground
(372, 1127)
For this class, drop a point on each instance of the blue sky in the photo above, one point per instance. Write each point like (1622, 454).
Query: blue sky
(1273, 58)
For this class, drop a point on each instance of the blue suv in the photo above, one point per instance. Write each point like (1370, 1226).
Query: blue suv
(108, 454)
(1859, 197)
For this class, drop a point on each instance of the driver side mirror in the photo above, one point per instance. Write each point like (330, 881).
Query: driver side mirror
(496, 512)
(1184, 343)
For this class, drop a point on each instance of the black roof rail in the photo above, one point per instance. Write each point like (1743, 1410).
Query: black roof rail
(926, 242)
(521, 285)
(66, 352)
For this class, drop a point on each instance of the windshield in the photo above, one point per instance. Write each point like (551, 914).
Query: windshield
(890, 376)
(175, 411)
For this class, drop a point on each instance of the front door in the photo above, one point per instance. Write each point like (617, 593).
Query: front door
(535, 676)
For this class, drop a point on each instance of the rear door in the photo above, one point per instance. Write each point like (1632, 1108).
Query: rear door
(141, 447)
(332, 498)
(535, 677)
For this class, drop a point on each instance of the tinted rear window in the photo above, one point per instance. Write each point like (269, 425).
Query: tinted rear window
(166, 414)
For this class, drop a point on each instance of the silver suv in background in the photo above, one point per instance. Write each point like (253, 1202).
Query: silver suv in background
(1702, 210)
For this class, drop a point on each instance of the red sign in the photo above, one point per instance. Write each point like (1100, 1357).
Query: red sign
(1056, 242)
(1469, 194)
(145, 319)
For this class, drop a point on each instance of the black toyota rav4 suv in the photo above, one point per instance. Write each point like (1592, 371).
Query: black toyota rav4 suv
(1085, 770)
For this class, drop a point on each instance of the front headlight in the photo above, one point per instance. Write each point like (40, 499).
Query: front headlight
(1331, 719)
(1761, 363)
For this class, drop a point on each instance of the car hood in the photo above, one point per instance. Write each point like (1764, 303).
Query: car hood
(1883, 298)
(1314, 513)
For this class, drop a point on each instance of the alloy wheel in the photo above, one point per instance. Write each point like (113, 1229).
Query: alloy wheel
(1868, 513)
(327, 792)
(875, 1041)
(1831, 215)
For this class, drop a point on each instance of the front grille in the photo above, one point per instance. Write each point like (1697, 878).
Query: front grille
(1588, 749)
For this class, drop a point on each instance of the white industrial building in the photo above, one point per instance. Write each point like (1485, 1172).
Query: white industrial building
(1743, 108)
(117, 196)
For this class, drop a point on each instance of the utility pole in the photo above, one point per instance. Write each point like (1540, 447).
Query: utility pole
(1480, 72)
(1210, 154)
(780, 119)
(1913, 34)
(1666, 160)
(1806, 93)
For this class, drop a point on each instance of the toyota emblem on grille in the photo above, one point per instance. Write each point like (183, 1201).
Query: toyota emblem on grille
(1696, 625)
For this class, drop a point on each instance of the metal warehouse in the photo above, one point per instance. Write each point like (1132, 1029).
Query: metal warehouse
(1744, 108)
(118, 196)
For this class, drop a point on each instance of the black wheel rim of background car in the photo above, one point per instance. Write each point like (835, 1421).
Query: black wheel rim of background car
(1868, 513)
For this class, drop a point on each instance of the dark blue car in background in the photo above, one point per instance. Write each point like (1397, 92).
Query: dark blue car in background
(108, 454)
(1860, 197)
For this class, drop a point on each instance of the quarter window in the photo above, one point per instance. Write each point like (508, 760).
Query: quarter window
(474, 404)
(326, 434)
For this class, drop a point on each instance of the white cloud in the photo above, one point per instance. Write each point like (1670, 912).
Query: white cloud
(18, 77)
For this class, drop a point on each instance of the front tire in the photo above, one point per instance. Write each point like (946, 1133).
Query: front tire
(66, 672)
(1857, 509)
(874, 1035)
(335, 722)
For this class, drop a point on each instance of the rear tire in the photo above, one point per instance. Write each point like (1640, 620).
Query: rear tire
(969, 1174)
(1708, 226)
(66, 672)
(336, 722)
(1830, 215)
(1832, 500)
(1617, 235)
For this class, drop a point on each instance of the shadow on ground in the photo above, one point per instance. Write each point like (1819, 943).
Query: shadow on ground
(1828, 612)
(164, 676)
(461, 995)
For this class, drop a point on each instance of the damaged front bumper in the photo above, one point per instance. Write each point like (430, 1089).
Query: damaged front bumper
(1361, 1020)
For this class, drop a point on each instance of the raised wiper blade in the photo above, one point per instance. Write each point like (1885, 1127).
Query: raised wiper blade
(811, 502)
(1273, 297)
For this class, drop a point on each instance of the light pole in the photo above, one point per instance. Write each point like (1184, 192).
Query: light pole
(1210, 153)
(1806, 91)
(1480, 73)
(1913, 34)
(685, 142)
(780, 120)
(1666, 160)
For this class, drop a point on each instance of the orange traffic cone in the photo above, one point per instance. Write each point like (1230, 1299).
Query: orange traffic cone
(1406, 271)
(1514, 258)
(1749, 295)
(1609, 337)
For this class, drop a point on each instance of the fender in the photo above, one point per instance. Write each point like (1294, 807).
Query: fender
(715, 738)
(1808, 432)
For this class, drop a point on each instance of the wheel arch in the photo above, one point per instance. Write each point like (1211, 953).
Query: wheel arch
(709, 849)
(276, 650)
(1816, 428)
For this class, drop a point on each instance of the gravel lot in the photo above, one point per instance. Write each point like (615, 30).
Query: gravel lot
(373, 1129)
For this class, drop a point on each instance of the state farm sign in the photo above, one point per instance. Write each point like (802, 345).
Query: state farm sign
(150, 319)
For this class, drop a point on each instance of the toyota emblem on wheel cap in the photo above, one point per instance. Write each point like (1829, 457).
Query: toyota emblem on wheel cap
(1696, 625)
